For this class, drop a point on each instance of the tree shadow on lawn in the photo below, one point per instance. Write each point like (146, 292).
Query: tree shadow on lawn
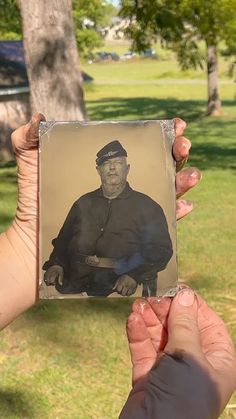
(5, 221)
(145, 107)
(47, 314)
(7, 176)
(212, 156)
(13, 403)
(49, 310)
(216, 153)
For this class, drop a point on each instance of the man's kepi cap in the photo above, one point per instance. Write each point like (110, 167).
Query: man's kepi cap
(109, 151)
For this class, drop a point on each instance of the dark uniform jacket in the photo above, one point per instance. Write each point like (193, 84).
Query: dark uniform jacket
(131, 228)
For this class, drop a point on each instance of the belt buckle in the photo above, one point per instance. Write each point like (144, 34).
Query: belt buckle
(92, 260)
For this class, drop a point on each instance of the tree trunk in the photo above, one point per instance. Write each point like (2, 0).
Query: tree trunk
(214, 102)
(14, 111)
(52, 60)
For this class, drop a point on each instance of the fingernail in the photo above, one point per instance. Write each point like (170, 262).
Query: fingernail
(186, 297)
(188, 203)
(196, 174)
(143, 305)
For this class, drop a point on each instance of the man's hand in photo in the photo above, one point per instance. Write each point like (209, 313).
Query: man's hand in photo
(125, 285)
(54, 275)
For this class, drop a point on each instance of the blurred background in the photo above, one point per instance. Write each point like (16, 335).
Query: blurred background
(128, 60)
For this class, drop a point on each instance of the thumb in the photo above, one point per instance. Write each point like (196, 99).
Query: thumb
(183, 332)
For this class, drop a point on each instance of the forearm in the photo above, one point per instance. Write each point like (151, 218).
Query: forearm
(18, 286)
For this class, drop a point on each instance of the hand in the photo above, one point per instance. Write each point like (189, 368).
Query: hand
(54, 275)
(187, 178)
(125, 285)
(18, 245)
(186, 329)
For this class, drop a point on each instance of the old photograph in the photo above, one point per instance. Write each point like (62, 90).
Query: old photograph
(107, 209)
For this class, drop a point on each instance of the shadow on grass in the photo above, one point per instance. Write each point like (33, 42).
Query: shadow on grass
(212, 146)
(56, 321)
(10, 163)
(5, 221)
(212, 156)
(49, 310)
(146, 107)
(7, 174)
(14, 404)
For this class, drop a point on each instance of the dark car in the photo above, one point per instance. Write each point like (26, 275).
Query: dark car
(149, 53)
(106, 56)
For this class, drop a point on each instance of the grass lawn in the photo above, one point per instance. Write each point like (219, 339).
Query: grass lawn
(69, 359)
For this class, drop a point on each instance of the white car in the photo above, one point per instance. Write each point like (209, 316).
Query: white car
(128, 55)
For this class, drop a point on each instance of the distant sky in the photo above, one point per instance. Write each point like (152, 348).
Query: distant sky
(115, 2)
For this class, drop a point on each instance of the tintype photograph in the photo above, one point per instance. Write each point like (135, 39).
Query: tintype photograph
(107, 209)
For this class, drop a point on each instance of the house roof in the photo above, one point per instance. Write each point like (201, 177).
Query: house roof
(13, 73)
(12, 64)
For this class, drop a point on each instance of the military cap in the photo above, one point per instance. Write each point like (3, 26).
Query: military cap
(109, 151)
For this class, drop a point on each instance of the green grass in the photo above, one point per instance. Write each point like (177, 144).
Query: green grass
(8, 190)
(70, 358)
(164, 67)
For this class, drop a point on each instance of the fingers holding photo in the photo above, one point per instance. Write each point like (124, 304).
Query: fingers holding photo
(26, 136)
(143, 353)
(187, 178)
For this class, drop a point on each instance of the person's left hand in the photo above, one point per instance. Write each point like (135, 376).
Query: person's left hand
(19, 244)
(125, 285)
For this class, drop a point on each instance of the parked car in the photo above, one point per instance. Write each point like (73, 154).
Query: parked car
(128, 55)
(105, 56)
(149, 53)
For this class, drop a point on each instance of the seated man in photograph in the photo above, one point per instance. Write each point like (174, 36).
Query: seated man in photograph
(113, 239)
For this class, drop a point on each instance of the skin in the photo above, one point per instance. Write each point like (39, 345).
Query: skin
(18, 245)
(184, 325)
(113, 174)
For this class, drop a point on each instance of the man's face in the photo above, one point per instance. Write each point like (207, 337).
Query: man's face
(114, 171)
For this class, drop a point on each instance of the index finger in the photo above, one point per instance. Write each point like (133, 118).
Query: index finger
(180, 126)
(181, 144)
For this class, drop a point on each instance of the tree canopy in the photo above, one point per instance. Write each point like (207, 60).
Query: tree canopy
(182, 25)
(90, 20)
(10, 20)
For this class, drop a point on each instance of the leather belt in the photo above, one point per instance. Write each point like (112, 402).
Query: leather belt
(97, 262)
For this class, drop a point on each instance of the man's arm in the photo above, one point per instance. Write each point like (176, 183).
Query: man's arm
(156, 245)
(60, 253)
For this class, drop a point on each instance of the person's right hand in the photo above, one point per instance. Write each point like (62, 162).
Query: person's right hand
(54, 275)
(183, 358)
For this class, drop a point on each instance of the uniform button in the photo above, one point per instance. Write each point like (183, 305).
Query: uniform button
(102, 229)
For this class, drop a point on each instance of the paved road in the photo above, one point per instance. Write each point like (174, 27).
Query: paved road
(161, 81)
